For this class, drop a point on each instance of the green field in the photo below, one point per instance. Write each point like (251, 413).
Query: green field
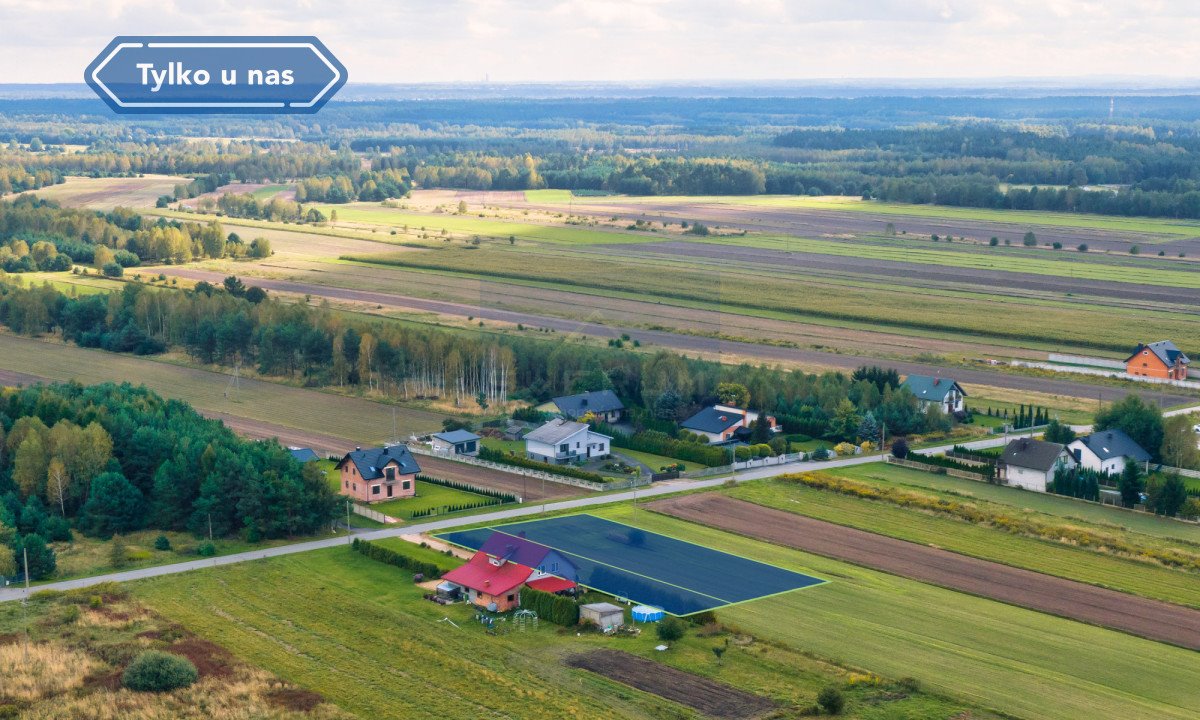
(307, 410)
(1103, 516)
(1015, 661)
(358, 632)
(1052, 558)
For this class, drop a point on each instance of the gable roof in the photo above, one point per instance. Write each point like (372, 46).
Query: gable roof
(1108, 444)
(1032, 454)
(515, 549)
(600, 401)
(714, 419)
(370, 462)
(931, 388)
(1165, 350)
(456, 436)
(303, 455)
(556, 431)
(481, 575)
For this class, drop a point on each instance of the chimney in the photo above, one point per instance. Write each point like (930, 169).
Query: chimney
(357, 448)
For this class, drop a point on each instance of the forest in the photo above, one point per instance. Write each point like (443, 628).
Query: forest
(108, 459)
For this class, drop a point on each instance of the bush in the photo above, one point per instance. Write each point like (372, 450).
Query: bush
(155, 671)
(206, 549)
(113, 269)
(162, 542)
(659, 443)
(830, 700)
(550, 607)
(670, 629)
(504, 458)
(900, 449)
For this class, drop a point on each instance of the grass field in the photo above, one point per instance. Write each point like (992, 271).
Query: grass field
(1013, 660)
(358, 632)
(1151, 226)
(1046, 503)
(1019, 662)
(299, 408)
(107, 193)
(1052, 558)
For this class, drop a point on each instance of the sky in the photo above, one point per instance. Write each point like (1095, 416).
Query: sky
(416, 41)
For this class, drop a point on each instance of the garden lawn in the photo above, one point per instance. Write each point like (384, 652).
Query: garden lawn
(1017, 661)
(1062, 560)
(655, 462)
(428, 496)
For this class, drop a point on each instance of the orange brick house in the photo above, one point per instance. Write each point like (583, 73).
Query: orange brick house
(1158, 360)
(489, 582)
(378, 474)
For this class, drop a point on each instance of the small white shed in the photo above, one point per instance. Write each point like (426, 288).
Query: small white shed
(606, 615)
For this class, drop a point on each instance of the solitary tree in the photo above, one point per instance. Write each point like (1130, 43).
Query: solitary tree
(1030, 239)
(1131, 484)
(1167, 495)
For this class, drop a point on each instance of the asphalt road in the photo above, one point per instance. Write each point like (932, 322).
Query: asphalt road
(694, 344)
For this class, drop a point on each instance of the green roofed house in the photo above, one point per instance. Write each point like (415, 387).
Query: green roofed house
(940, 391)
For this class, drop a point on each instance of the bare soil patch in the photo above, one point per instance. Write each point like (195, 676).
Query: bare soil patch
(1135, 615)
(294, 699)
(210, 659)
(699, 693)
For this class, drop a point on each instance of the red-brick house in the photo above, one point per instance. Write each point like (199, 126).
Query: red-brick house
(1158, 360)
(378, 474)
(490, 582)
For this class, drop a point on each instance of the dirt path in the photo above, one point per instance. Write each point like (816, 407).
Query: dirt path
(712, 698)
(1147, 618)
(12, 377)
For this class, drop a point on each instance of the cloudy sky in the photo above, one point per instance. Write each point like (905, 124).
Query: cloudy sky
(407, 41)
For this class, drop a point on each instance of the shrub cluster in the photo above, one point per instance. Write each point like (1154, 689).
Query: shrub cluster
(1081, 537)
(660, 443)
(550, 607)
(400, 560)
(987, 471)
(447, 509)
(155, 671)
(507, 458)
(467, 487)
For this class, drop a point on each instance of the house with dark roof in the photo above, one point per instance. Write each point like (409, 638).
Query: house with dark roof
(456, 442)
(942, 392)
(722, 423)
(604, 404)
(490, 582)
(303, 455)
(1031, 464)
(546, 562)
(560, 442)
(1160, 360)
(1107, 451)
(377, 474)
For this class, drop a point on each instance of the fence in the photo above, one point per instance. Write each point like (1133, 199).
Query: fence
(372, 514)
(748, 464)
(1082, 360)
(420, 449)
(935, 469)
(970, 459)
(1104, 372)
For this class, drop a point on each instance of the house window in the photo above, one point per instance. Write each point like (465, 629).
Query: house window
(374, 489)
(511, 597)
(345, 484)
(354, 487)
(406, 484)
(554, 567)
(564, 448)
(390, 473)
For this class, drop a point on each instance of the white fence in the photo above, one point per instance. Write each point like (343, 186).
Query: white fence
(372, 514)
(1104, 372)
(749, 464)
(421, 449)
(1082, 360)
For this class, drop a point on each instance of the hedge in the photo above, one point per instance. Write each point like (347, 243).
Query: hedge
(659, 443)
(400, 560)
(448, 509)
(467, 487)
(506, 458)
(548, 606)
(987, 471)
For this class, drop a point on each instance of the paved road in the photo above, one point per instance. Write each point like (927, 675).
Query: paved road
(696, 344)
(657, 490)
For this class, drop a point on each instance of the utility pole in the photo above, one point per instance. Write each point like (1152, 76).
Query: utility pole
(348, 533)
(25, 601)
(210, 527)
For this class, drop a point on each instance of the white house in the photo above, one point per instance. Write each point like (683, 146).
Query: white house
(1107, 451)
(721, 423)
(563, 441)
(943, 392)
(1031, 464)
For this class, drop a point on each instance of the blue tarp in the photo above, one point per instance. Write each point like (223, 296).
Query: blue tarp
(680, 577)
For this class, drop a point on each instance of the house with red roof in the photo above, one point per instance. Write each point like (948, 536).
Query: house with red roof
(490, 582)
(552, 571)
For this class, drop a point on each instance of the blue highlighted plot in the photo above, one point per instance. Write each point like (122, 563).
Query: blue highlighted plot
(680, 577)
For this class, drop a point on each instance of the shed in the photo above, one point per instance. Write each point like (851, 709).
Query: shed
(646, 613)
(605, 615)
